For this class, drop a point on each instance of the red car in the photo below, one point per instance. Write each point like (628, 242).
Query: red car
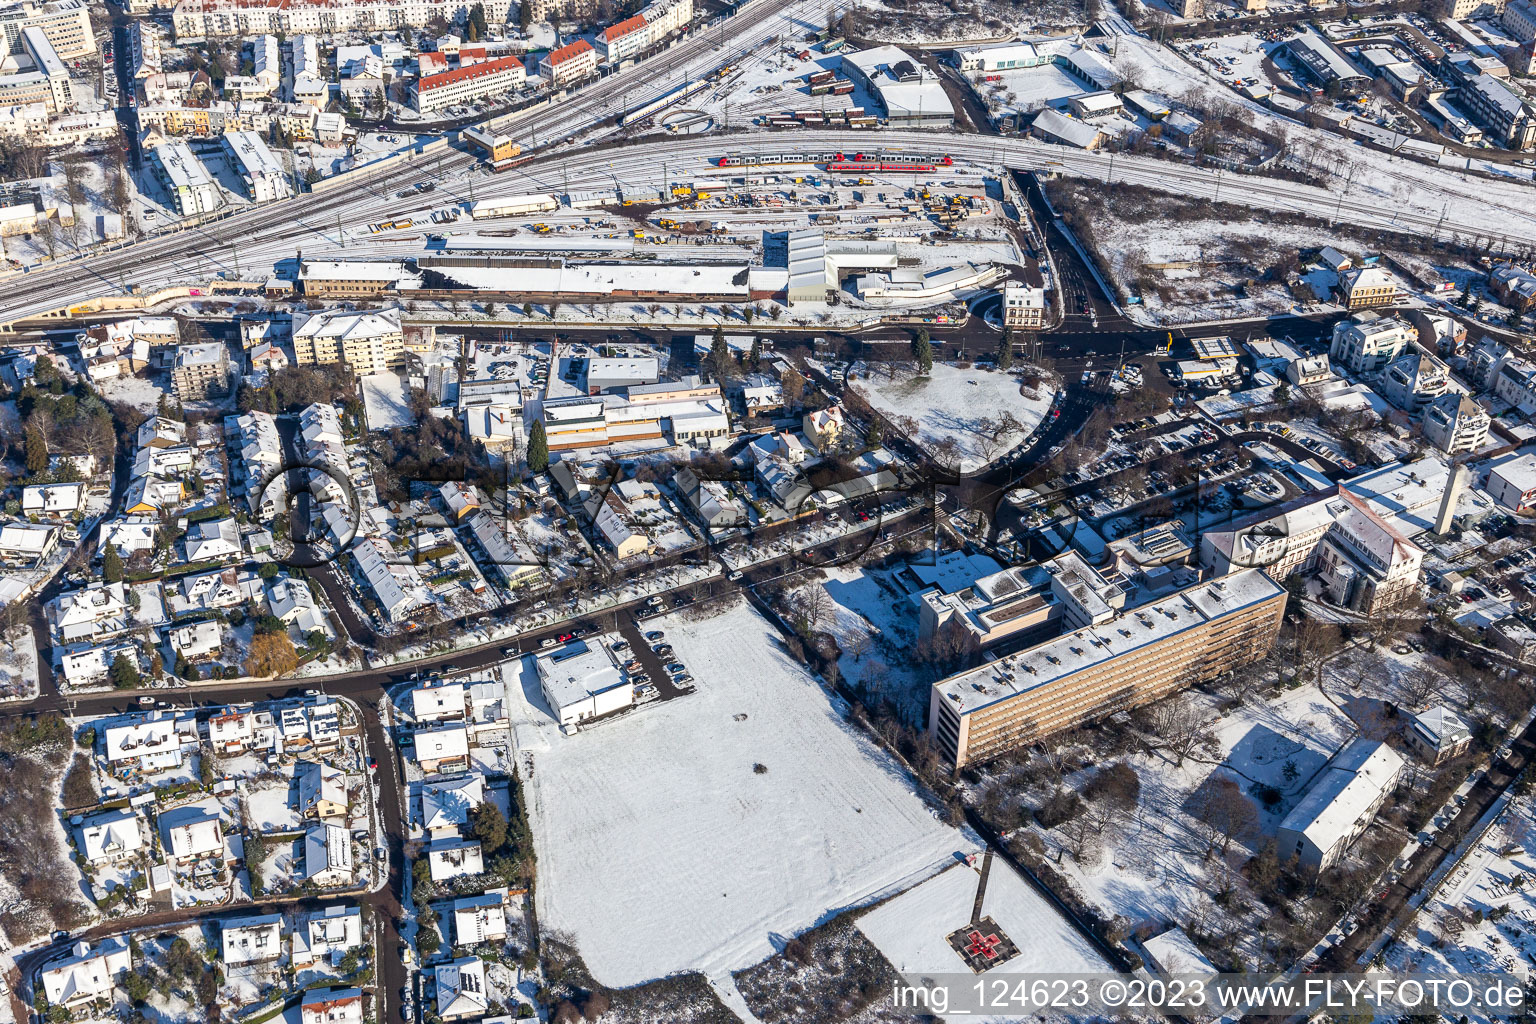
(566, 636)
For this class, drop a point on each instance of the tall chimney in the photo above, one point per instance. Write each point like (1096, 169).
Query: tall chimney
(1455, 484)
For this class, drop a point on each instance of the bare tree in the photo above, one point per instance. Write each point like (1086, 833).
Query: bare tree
(1180, 724)
(1225, 813)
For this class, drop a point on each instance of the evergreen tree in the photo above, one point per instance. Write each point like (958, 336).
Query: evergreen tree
(37, 451)
(755, 357)
(111, 564)
(922, 350)
(876, 434)
(719, 354)
(1005, 352)
(125, 674)
(538, 448)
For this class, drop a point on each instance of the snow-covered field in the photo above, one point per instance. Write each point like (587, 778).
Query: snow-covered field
(951, 403)
(662, 846)
(385, 402)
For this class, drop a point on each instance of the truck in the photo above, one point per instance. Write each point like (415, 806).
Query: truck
(514, 206)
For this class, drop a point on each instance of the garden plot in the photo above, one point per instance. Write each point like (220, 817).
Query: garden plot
(956, 412)
(749, 810)
(1151, 866)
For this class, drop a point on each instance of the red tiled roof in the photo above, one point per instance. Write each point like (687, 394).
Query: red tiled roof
(464, 74)
(568, 51)
(623, 28)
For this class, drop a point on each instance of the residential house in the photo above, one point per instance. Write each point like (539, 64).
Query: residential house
(332, 1006)
(54, 500)
(328, 856)
(444, 749)
(448, 859)
(191, 833)
(129, 535)
(149, 495)
(197, 641)
(83, 666)
(322, 791)
(251, 940)
(328, 934)
(461, 993)
(110, 837)
(87, 974)
(213, 540)
(291, 601)
(822, 427)
(27, 545)
(478, 919)
(1437, 734)
(236, 729)
(148, 744)
(439, 702)
(88, 613)
(1514, 286)
(447, 803)
(162, 432)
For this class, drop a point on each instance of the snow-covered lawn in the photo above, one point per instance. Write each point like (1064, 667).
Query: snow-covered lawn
(951, 404)
(384, 399)
(1151, 865)
(911, 929)
(684, 836)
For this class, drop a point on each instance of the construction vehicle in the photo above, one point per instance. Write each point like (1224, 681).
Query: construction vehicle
(666, 223)
(541, 228)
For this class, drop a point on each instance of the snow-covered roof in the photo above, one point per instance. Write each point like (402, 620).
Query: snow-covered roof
(1351, 786)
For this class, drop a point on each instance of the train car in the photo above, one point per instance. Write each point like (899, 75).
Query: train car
(654, 107)
(821, 88)
(818, 77)
(850, 166)
(842, 88)
(862, 122)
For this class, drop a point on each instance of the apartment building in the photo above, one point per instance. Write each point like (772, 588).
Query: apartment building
(1024, 300)
(1367, 342)
(1515, 382)
(467, 84)
(1132, 658)
(572, 62)
(1365, 562)
(1460, 9)
(210, 19)
(1508, 119)
(193, 190)
(1519, 19)
(624, 40)
(1454, 423)
(1512, 483)
(369, 341)
(66, 24)
(1415, 379)
(201, 371)
(553, 10)
(665, 17)
(1339, 806)
(264, 177)
(1365, 287)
